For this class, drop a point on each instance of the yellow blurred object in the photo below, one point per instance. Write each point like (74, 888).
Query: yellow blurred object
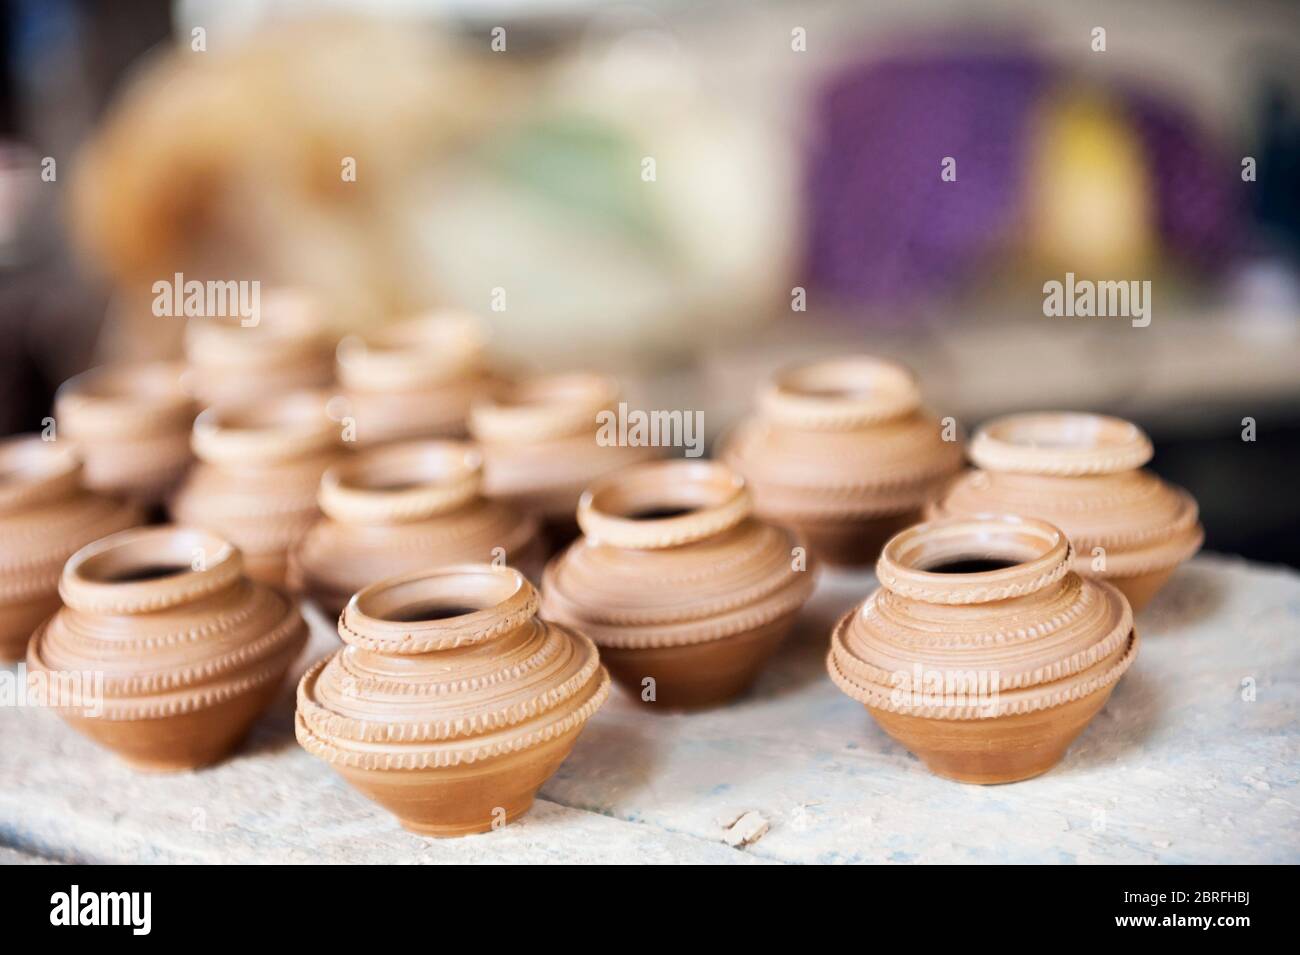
(1091, 204)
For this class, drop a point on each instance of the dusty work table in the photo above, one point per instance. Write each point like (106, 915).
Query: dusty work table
(1195, 759)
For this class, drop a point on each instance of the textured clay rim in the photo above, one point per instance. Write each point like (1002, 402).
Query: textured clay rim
(543, 407)
(264, 431)
(403, 482)
(424, 351)
(504, 598)
(840, 394)
(717, 497)
(34, 471)
(1060, 443)
(1042, 553)
(133, 398)
(290, 327)
(86, 583)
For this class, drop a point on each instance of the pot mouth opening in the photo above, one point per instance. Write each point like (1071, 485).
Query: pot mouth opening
(841, 393)
(402, 482)
(1061, 443)
(137, 382)
(148, 568)
(969, 565)
(663, 504)
(443, 596)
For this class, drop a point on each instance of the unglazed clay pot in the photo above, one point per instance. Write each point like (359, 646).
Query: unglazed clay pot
(260, 465)
(45, 516)
(189, 649)
(677, 583)
(452, 702)
(289, 348)
(841, 452)
(131, 426)
(414, 379)
(983, 652)
(401, 508)
(1083, 473)
(540, 447)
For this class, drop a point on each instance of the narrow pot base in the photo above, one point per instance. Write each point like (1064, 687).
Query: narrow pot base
(1141, 589)
(1005, 749)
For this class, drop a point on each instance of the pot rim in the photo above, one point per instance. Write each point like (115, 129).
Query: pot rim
(34, 471)
(1060, 443)
(88, 581)
(543, 407)
(424, 351)
(125, 399)
(290, 327)
(1041, 551)
(716, 498)
(441, 477)
(265, 430)
(840, 394)
(503, 599)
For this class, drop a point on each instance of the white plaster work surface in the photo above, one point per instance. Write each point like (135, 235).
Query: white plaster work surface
(1179, 767)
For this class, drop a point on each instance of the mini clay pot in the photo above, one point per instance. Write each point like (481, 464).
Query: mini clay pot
(983, 652)
(288, 348)
(841, 452)
(405, 507)
(414, 379)
(45, 516)
(540, 447)
(260, 465)
(131, 426)
(1084, 474)
(677, 583)
(452, 702)
(189, 650)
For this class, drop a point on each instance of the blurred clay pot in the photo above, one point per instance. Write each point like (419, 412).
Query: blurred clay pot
(983, 652)
(46, 515)
(841, 452)
(131, 426)
(179, 649)
(260, 465)
(288, 349)
(452, 702)
(1084, 474)
(540, 447)
(677, 582)
(404, 507)
(414, 379)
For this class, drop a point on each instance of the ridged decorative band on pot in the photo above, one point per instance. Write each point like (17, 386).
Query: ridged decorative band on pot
(685, 592)
(453, 701)
(842, 452)
(46, 515)
(1083, 473)
(982, 651)
(399, 508)
(180, 649)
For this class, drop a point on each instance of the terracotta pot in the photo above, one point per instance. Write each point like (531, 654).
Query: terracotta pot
(677, 582)
(414, 379)
(1083, 473)
(401, 508)
(540, 448)
(131, 426)
(841, 452)
(188, 657)
(983, 652)
(452, 702)
(260, 465)
(289, 349)
(45, 516)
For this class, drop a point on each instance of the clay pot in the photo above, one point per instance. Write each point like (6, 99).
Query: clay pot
(414, 379)
(130, 424)
(45, 516)
(1083, 473)
(452, 702)
(841, 452)
(540, 448)
(401, 508)
(289, 349)
(260, 465)
(188, 657)
(983, 652)
(677, 582)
